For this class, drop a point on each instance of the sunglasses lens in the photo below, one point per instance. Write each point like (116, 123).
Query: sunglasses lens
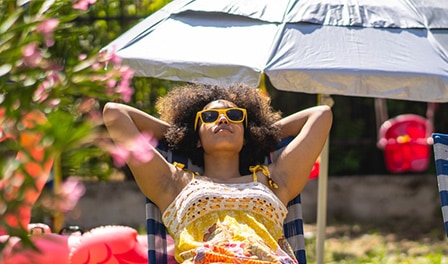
(209, 116)
(235, 114)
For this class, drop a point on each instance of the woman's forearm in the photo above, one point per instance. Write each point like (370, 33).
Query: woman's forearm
(291, 125)
(142, 121)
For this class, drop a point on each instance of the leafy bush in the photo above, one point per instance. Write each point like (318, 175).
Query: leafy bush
(47, 70)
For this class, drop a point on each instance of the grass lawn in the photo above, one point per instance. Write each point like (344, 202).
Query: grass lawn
(350, 244)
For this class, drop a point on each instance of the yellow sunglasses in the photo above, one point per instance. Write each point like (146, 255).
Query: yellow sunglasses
(234, 115)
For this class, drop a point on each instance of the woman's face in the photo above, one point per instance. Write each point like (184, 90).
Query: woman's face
(222, 134)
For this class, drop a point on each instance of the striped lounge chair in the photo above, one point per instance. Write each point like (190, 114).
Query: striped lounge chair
(441, 159)
(158, 251)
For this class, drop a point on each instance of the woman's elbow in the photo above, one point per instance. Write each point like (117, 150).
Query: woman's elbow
(111, 113)
(327, 111)
(326, 115)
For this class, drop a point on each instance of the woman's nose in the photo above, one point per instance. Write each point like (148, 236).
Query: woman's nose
(222, 119)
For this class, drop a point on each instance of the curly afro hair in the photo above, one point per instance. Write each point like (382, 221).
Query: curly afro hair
(179, 108)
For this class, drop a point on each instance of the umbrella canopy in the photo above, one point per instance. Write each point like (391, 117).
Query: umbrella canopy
(376, 48)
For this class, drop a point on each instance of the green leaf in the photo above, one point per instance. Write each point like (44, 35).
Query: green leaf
(83, 65)
(46, 6)
(6, 25)
(5, 69)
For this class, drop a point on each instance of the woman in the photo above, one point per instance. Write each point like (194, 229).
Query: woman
(233, 212)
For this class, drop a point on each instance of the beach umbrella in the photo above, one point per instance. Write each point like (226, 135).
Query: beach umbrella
(369, 48)
(376, 48)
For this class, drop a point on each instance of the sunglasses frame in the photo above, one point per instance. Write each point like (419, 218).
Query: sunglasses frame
(220, 112)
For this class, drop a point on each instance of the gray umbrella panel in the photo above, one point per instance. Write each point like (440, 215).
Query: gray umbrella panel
(360, 62)
(385, 49)
(362, 13)
(211, 53)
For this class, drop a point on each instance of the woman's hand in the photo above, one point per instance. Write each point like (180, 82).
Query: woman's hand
(115, 113)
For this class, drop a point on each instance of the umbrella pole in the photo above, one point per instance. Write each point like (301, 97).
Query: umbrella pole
(322, 190)
(322, 204)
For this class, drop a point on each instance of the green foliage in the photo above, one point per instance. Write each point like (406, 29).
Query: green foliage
(148, 90)
(50, 64)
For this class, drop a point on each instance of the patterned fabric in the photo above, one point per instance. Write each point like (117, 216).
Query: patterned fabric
(223, 222)
(441, 159)
(157, 234)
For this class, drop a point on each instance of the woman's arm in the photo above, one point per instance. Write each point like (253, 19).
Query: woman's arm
(125, 124)
(142, 121)
(310, 129)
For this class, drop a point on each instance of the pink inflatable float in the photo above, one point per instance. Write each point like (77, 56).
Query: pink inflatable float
(51, 248)
(109, 244)
(105, 244)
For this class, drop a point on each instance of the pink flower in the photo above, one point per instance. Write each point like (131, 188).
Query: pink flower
(41, 93)
(114, 58)
(46, 28)
(119, 155)
(95, 117)
(87, 105)
(53, 75)
(111, 83)
(32, 56)
(126, 72)
(71, 190)
(53, 102)
(82, 4)
(142, 148)
(124, 88)
(111, 56)
(82, 57)
(97, 66)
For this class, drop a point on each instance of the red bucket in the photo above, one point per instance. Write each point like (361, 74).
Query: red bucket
(405, 145)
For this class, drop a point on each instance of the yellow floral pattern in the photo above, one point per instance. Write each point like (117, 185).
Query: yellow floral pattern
(228, 223)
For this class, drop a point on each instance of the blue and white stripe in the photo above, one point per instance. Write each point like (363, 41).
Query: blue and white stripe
(441, 159)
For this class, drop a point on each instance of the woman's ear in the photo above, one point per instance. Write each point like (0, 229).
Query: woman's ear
(199, 144)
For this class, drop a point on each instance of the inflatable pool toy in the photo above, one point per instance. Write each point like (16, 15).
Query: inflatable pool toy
(109, 244)
(51, 248)
(105, 244)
